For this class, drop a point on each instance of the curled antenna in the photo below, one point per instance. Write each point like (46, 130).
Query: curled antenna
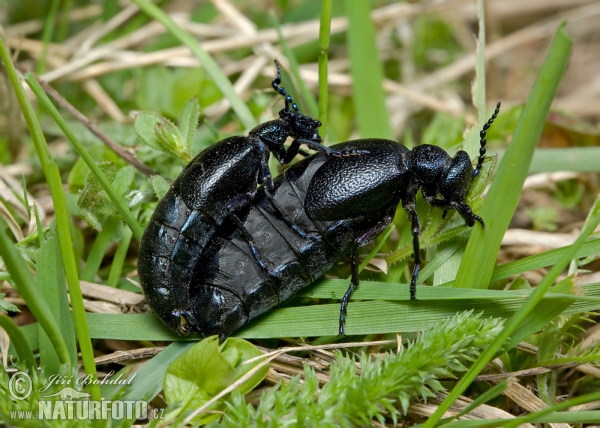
(483, 141)
(275, 84)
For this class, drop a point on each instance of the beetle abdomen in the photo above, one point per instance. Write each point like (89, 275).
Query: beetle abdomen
(187, 218)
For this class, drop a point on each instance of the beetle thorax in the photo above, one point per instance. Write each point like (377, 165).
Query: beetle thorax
(428, 164)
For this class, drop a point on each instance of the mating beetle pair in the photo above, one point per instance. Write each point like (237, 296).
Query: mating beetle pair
(218, 252)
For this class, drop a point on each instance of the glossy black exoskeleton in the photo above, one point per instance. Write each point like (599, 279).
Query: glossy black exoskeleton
(213, 187)
(349, 201)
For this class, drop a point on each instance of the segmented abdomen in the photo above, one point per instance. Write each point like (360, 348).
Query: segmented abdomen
(229, 288)
(187, 218)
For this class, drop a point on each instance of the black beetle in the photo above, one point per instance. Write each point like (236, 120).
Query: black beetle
(349, 201)
(214, 186)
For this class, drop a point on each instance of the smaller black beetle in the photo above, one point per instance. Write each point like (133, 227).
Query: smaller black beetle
(213, 187)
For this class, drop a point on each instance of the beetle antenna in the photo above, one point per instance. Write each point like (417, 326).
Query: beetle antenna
(483, 141)
(275, 84)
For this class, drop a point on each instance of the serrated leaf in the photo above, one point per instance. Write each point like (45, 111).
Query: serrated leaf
(160, 186)
(144, 124)
(123, 180)
(205, 370)
(92, 199)
(188, 121)
(171, 140)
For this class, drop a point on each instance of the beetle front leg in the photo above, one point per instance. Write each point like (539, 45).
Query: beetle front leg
(467, 213)
(461, 206)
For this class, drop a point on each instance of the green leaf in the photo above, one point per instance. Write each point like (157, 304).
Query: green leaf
(160, 186)
(367, 74)
(145, 382)
(144, 124)
(188, 122)
(505, 190)
(171, 140)
(124, 180)
(93, 200)
(7, 306)
(205, 370)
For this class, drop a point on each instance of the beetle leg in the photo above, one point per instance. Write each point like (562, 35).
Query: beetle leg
(408, 203)
(367, 237)
(353, 284)
(235, 204)
(304, 153)
(313, 236)
(463, 209)
(329, 151)
(292, 151)
(267, 183)
(467, 213)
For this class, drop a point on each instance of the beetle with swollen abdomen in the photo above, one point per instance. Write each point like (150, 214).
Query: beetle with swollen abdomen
(213, 187)
(348, 201)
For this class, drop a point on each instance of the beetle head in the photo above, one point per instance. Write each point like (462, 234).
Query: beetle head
(302, 127)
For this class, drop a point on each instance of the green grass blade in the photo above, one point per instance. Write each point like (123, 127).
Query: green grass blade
(366, 317)
(89, 161)
(149, 378)
(472, 139)
(565, 405)
(367, 75)
(576, 159)
(488, 395)
(477, 272)
(212, 68)
(52, 287)
(49, 26)
(17, 339)
(372, 290)
(24, 281)
(63, 222)
(516, 321)
(501, 200)
(119, 259)
(568, 417)
(375, 249)
(324, 36)
(99, 248)
(589, 248)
